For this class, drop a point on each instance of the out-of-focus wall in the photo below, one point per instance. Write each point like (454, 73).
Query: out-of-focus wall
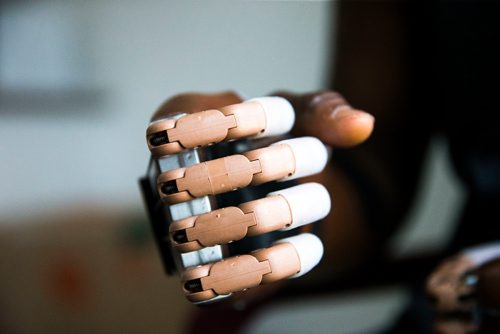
(79, 81)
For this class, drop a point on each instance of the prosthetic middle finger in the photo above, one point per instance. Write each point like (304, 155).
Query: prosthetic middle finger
(284, 160)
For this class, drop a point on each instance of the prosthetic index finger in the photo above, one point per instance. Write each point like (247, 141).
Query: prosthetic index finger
(266, 116)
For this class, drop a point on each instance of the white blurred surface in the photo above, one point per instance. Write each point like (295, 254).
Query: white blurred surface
(436, 208)
(41, 46)
(138, 53)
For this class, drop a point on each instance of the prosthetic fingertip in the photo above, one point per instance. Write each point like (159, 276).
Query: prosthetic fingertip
(308, 203)
(280, 115)
(309, 249)
(310, 155)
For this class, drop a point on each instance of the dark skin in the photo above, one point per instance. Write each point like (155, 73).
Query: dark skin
(383, 64)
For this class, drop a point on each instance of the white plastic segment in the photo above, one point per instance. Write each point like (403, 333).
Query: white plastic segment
(310, 156)
(483, 253)
(280, 115)
(308, 203)
(309, 248)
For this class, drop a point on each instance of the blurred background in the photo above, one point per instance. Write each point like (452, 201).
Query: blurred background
(79, 81)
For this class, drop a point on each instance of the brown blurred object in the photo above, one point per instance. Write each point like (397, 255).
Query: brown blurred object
(446, 285)
(86, 270)
(454, 325)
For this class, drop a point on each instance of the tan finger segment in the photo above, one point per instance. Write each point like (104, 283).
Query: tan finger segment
(240, 272)
(206, 127)
(227, 174)
(229, 224)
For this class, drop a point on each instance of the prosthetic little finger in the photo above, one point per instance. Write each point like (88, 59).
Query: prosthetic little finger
(290, 257)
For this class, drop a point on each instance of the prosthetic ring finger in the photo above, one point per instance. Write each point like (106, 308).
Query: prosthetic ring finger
(281, 210)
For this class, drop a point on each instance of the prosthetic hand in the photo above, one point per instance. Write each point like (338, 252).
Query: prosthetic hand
(198, 232)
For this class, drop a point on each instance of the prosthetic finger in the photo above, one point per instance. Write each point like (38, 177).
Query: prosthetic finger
(290, 257)
(284, 160)
(266, 116)
(280, 210)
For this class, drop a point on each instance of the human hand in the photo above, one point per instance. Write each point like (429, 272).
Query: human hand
(466, 292)
(448, 286)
